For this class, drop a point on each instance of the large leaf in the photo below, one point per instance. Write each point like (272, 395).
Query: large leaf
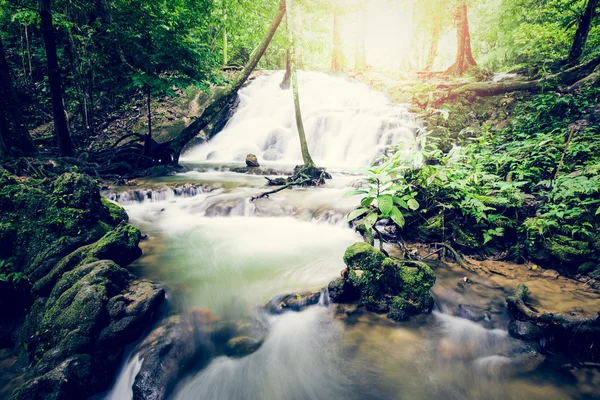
(385, 204)
(397, 217)
(401, 202)
(357, 213)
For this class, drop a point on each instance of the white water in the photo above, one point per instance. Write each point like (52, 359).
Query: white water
(123, 387)
(346, 123)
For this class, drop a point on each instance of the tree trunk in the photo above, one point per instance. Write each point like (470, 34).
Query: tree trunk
(229, 94)
(285, 83)
(360, 58)
(433, 50)
(298, 24)
(65, 146)
(148, 138)
(464, 55)
(308, 162)
(14, 138)
(337, 58)
(583, 29)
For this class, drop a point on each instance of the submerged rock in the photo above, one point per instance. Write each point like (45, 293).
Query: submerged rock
(293, 302)
(382, 284)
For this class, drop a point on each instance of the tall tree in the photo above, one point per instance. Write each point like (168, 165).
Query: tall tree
(14, 138)
(583, 30)
(433, 50)
(337, 57)
(360, 57)
(464, 55)
(306, 158)
(65, 146)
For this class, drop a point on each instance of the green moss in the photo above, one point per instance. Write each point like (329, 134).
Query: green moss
(566, 249)
(463, 238)
(384, 285)
(432, 230)
(588, 267)
(363, 256)
(119, 245)
(116, 213)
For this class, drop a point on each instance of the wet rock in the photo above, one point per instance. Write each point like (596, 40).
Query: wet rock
(472, 313)
(168, 352)
(293, 302)
(252, 161)
(342, 291)
(524, 330)
(242, 346)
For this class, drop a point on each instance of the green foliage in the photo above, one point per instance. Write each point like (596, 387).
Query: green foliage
(497, 189)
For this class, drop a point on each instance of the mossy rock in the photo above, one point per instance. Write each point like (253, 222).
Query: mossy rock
(363, 256)
(567, 250)
(464, 238)
(384, 285)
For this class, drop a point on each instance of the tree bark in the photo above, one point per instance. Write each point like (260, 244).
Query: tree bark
(337, 57)
(583, 29)
(360, 58)
(306, 158)
(148, 138)
(433, 50)
(464, 55)
(65, 146)
(14, 138)
(228, 96)
(285, 83)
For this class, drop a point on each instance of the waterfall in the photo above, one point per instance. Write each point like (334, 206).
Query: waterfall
(347, 124)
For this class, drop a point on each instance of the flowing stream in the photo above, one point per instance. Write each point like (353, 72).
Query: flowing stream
(213, 249)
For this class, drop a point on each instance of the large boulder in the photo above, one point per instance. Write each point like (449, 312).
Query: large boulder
(382, 284)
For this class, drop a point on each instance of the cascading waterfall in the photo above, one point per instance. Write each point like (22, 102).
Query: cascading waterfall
(214, 250)
(347, 124)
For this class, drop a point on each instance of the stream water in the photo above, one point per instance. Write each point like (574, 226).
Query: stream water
(213, 249)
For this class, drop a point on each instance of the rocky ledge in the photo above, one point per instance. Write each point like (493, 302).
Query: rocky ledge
(71, 305)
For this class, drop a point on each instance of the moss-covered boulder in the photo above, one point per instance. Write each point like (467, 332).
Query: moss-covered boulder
(95, 309)
(382, 284)
(66, 247)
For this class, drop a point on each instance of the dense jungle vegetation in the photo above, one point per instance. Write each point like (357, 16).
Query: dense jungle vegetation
(505, 164)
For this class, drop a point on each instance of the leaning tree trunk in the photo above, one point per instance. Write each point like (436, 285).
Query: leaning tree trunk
(583, 29)
(65, 146)
(337, 57)
(14, 138)
(464, 55)
(308, 162)
(148, 137)
(226, 97)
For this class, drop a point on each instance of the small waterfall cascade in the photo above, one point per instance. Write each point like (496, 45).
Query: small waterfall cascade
(347, 124)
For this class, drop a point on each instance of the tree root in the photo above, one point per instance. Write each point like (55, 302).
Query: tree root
(558, 332)
(459, 259)
(303, 176)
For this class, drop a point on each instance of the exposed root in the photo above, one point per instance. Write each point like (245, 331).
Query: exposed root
(459, 259)
(303, 176)
(287, 186)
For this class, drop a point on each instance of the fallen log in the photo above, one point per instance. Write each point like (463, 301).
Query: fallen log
(564, 78)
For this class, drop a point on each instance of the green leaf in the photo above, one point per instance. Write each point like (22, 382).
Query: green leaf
(366, 202)
(370, 220)
(397, 217)
(413, 204)
(357, 213)
(400, 202)
(385, 204)
(355, 192)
